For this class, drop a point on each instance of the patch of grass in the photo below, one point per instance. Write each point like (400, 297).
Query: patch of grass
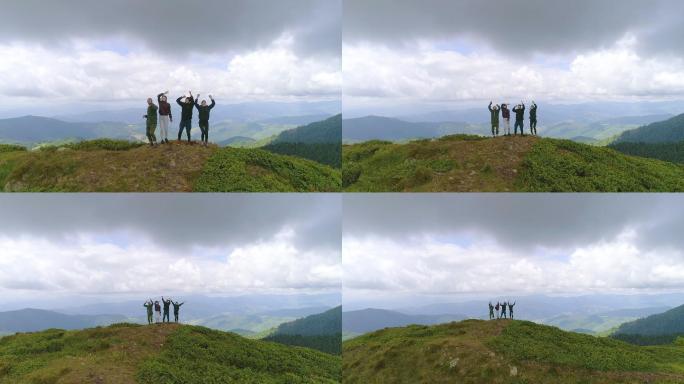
(451, 163)
(565, 166)
(200, 355)
(169, 353)
(5, 148)
(527, 341)
(255, 170)
(503, 351)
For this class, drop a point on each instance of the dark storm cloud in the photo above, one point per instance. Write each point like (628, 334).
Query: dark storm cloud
(178, 26)
(520, 26)
(520, 221)
(177, 220)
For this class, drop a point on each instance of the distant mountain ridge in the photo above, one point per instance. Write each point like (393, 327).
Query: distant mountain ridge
(33, 320)
(667, 131)
(669, 322)
(35, 129)
(371, 319)
(392, 129)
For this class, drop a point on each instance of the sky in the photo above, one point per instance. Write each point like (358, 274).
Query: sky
(480, 245)
(127, 245)
(80, 51)
(451, 53)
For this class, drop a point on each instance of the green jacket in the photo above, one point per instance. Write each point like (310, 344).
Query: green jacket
(149, 308)
(495, 114)
(151, 115)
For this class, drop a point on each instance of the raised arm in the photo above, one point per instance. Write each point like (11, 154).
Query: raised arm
(213, 103)
(178, 100)
(490, 106)
(196, 102)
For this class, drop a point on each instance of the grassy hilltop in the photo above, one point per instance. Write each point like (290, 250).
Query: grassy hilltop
(504, 351)
(120, 166)
(466, 163)
(169, 353)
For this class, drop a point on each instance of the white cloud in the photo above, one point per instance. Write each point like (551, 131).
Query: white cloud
(86, 264)
(424, 72)
(430, 266)
(85, 73)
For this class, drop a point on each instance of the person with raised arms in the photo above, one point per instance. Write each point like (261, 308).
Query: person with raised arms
(176, 309)
(510, 309)
(506, 114)
(204, 111)
(494, 111)
(186, 115)
(533, 118)
(166, 318)
(149, 305)
(519, 111)
(165, 117)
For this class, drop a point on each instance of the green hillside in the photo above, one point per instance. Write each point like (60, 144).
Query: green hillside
(666, 323)
(321, 331)
(667, 131)
(464, 163)
(120, 166)
(319, 141)
(170, 353)
(672, 152)
(505, 351)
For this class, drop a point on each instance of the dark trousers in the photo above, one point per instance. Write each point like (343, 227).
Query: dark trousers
(204, 127)
(515, 128)
(149, 318)
(166, 317)
(175, 317)
(533, 126)
(187, 124)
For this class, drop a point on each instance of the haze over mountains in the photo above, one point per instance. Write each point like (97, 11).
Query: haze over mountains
(588, 122)
(594, 314)
(247, 315)
(229, 123)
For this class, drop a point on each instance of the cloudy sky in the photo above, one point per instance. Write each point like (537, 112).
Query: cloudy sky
(75, 51)
(123, 245)
(403, 52)
(483, 245)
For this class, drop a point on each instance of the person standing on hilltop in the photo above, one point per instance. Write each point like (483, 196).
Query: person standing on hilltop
(498, 306)
(166, 318)
(533, 118)
(186, 115)
(503, 309)
(519, 119)
(176, 309)
(204, 111)
(151, 125)
(491, 311)
(495, 119)
(157, 312)
(165, 117)
(506, 114)
(510, 309)
(148, 305)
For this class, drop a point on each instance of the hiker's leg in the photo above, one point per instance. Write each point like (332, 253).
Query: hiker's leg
(164, 127)
(188, 127)
(180, 129)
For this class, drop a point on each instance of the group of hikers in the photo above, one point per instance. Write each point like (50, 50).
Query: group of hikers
(501, 310)
(155, 307)
(519, 111)
(187, 104)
